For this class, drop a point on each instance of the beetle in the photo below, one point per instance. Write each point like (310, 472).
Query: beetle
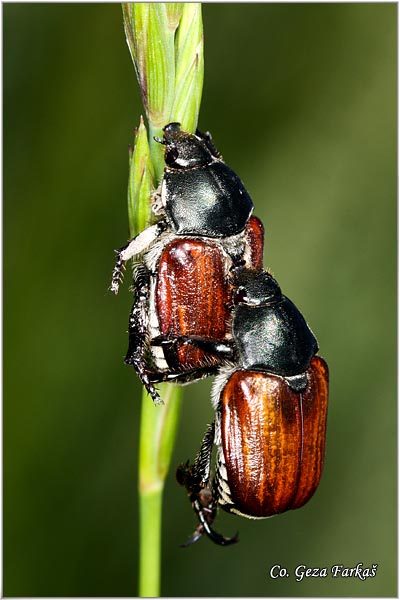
(182, 280)
(271, 407)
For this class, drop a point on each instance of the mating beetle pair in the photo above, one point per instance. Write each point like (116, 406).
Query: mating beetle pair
(203, 305)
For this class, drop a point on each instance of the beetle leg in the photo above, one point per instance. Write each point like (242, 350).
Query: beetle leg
(207, 139)
(182, 378)
(205, 507)
(136, 355)
(196, 479)
(117, 274)
(205, 504)
(196, 535)
(135, 246)
(215, 347)
(206, 515)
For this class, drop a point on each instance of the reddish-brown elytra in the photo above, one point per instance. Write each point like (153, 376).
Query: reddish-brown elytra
(273, 440)
(193, 293)
(255, 236)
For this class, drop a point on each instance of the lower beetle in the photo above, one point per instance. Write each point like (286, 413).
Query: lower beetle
(182, 284)
(271, 408)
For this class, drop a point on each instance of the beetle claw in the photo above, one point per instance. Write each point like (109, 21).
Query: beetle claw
(206, 515)
(215, 537)
(197, 534)
(221, 540)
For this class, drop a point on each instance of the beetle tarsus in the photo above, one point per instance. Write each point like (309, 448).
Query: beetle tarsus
(217, 538)
(117, 274)
(206, 516)
(137, 362)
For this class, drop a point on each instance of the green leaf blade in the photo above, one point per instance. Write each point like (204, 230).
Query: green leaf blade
(189, 51)
(140, 183)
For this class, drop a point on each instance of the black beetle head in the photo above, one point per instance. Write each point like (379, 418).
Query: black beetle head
(184, 150)
(255, 288)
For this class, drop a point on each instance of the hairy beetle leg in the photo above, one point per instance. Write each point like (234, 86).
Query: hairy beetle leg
(138, 332)
(215, 347)
(136, 245)
(117, 274)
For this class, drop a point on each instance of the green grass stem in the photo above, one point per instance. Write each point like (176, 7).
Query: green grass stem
(166, 45)
(158, 428)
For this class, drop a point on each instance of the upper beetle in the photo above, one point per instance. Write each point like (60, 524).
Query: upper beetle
(182, 282)
(271, 407)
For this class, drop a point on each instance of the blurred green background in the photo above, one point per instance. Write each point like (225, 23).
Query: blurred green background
(301, 100)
